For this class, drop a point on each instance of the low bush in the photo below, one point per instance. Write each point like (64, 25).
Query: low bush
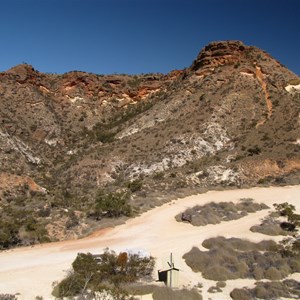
(240, 294)
(273, 274)
(269, 290)
(8, 297)
(214, 213)
(288, 210)
(214, 289)
(139, 289)
(221, 284)
(158, 175)
(21, 227)
(166, 293)
(135, 185)
(235, 258)
(107, 271)
(269, 226)
(239, 244)
(112, 205)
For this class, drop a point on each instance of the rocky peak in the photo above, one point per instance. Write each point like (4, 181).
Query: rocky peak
(219, 53)
(23, 72)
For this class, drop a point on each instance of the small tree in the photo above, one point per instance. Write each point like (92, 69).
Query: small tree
(284, 209)
(113, 205)
(85, 266)
(288, 210)
(104, 272)
(135, 185)
(122, 260)
(291, 245)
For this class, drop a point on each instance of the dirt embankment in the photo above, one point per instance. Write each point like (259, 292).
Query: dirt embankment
(10, 181)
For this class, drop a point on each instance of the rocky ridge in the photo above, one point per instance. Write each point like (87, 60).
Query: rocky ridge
(230, 119)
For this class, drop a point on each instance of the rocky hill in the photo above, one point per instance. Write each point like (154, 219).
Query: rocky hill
(230, 119)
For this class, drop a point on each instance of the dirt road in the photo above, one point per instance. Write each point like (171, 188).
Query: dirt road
(31, 271)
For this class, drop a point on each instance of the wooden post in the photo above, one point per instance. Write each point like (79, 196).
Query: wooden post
(171, 261)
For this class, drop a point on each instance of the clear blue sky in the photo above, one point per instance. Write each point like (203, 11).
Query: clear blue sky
(140, 36)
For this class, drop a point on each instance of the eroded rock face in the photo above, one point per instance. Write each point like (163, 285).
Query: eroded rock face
(219, 53)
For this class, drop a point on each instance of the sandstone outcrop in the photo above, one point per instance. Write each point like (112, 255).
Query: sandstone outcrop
(219, 53)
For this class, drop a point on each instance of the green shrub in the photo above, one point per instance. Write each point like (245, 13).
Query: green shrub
(20, 227)
(107, 271)
(261, 292)
(272, 274)
(285, 209)
(269, 227)
(240, 294)
(69, 286)
(8, 234)
(158, 175)
(135, 185)
(253, 151)
(258, 273)
(112, 205)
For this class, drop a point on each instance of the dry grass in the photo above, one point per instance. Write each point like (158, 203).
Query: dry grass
(235, 258)
(221, 284)
(269, 290)
(270, 226)
(169, 294)
(217, 288)
(214, 213)
(139, 289)
(8, 297)
(239, 244)
(214, 289)
(160, 293)
(238, 294)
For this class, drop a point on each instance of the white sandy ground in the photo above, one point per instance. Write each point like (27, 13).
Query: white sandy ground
(30, 271)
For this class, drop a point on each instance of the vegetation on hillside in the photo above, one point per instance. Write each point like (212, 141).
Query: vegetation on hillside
(112, 205)
(22, 220)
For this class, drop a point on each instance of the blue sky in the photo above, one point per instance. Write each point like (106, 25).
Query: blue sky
(140, 36)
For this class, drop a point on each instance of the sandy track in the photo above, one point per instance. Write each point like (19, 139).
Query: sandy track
(30, 271)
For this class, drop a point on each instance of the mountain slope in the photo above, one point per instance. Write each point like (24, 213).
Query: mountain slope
(230, 119)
